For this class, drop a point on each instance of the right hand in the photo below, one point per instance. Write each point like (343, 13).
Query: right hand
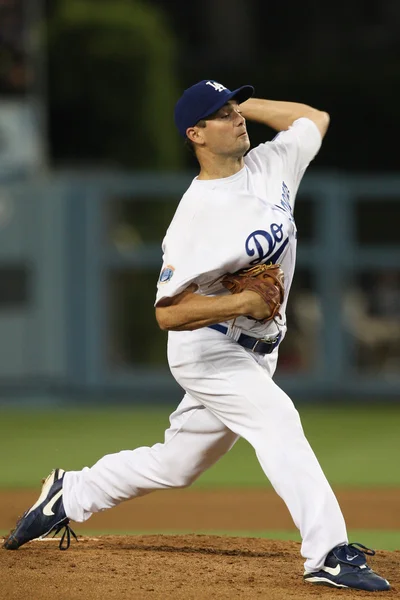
(254, 306)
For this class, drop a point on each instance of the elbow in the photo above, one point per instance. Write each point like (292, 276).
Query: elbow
(162, 326)
(321, 118)
(325, 117)
(161, 322)
(162, 319)
(324, 123)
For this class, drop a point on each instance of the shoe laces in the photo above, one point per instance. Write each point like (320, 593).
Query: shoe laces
(361, 549)
(66, 535)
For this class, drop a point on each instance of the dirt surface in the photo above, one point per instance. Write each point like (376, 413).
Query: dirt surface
(186, 566)
(220, 510)
(178, 567)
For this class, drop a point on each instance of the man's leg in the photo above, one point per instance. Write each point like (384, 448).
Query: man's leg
(195, 440)
(241, 393)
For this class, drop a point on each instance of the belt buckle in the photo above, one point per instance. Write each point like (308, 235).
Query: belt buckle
(264, 341)
(255, 345)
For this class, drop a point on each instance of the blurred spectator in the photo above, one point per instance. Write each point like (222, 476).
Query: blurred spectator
(15, 70)
(304, 326)
(372, 313)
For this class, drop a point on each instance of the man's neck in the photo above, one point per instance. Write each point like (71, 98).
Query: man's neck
(217, 167)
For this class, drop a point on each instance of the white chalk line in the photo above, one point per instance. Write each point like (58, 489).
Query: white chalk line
(55, 539)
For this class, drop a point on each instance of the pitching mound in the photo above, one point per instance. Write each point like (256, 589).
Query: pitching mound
(161, 567)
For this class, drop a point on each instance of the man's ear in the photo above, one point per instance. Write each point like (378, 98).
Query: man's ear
(195, 135)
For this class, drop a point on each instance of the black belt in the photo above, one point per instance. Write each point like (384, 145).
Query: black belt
(260, 346)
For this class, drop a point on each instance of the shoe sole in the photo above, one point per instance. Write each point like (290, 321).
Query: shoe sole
(323, 581)
(332, 584)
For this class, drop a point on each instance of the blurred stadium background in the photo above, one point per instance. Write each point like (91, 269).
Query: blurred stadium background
(91, 171)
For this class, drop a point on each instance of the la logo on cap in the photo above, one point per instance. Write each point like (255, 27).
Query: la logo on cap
(218, 87)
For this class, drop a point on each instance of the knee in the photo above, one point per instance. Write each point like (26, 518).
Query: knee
(179, 478)
(178, 471)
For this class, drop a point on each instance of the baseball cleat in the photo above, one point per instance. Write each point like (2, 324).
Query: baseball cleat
(45, 516)
(346, 567)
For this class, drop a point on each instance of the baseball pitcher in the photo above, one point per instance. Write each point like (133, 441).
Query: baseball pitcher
(228, 263)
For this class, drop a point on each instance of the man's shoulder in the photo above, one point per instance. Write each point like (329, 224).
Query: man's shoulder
(199, 198)
(189, 206)
(198, 213)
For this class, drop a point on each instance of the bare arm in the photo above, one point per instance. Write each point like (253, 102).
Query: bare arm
(188, 311)
(280, 115)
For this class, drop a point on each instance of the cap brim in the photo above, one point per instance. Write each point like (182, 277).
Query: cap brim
(240, 95)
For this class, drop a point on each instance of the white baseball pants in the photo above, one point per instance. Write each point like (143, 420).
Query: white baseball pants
(229, 393)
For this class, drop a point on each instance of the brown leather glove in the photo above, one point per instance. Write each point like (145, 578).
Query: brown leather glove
(266, 280)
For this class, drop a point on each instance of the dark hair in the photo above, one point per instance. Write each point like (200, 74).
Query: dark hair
(188, 143)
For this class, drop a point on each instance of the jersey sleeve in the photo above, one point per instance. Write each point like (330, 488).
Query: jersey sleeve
(176, 272)
(197, 249)
(295, 148)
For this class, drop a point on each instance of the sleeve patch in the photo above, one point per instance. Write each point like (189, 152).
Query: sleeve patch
(166, 274)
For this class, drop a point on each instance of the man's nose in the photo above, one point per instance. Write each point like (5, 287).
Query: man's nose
(239, 117)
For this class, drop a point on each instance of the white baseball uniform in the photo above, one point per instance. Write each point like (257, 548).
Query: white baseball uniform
(221, 226)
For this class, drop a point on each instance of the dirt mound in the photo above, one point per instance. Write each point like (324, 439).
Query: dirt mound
(178, 567)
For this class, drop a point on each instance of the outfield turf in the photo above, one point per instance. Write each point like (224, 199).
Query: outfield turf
(356, 446)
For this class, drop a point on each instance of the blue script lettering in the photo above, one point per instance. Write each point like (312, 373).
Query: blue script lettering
(285, 202)
(285, 198)
(263, 243)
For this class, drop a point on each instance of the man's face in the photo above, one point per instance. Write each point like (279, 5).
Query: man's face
(225, 133)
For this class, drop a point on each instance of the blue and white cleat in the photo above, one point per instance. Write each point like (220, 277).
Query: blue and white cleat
(45, 516)
(346, 567)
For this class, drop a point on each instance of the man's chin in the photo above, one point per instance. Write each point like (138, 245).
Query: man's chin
(244, 143)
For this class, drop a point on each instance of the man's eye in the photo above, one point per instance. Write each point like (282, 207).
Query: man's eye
(225, 116)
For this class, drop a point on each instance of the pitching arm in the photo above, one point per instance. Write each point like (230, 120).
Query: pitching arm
(281, 115)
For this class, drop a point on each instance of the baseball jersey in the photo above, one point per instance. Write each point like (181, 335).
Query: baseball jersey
(223, 225)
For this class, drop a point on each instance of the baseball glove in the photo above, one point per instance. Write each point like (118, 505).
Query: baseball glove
(266, 280)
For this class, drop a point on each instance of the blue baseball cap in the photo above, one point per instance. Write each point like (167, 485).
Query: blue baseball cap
(203, 99)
